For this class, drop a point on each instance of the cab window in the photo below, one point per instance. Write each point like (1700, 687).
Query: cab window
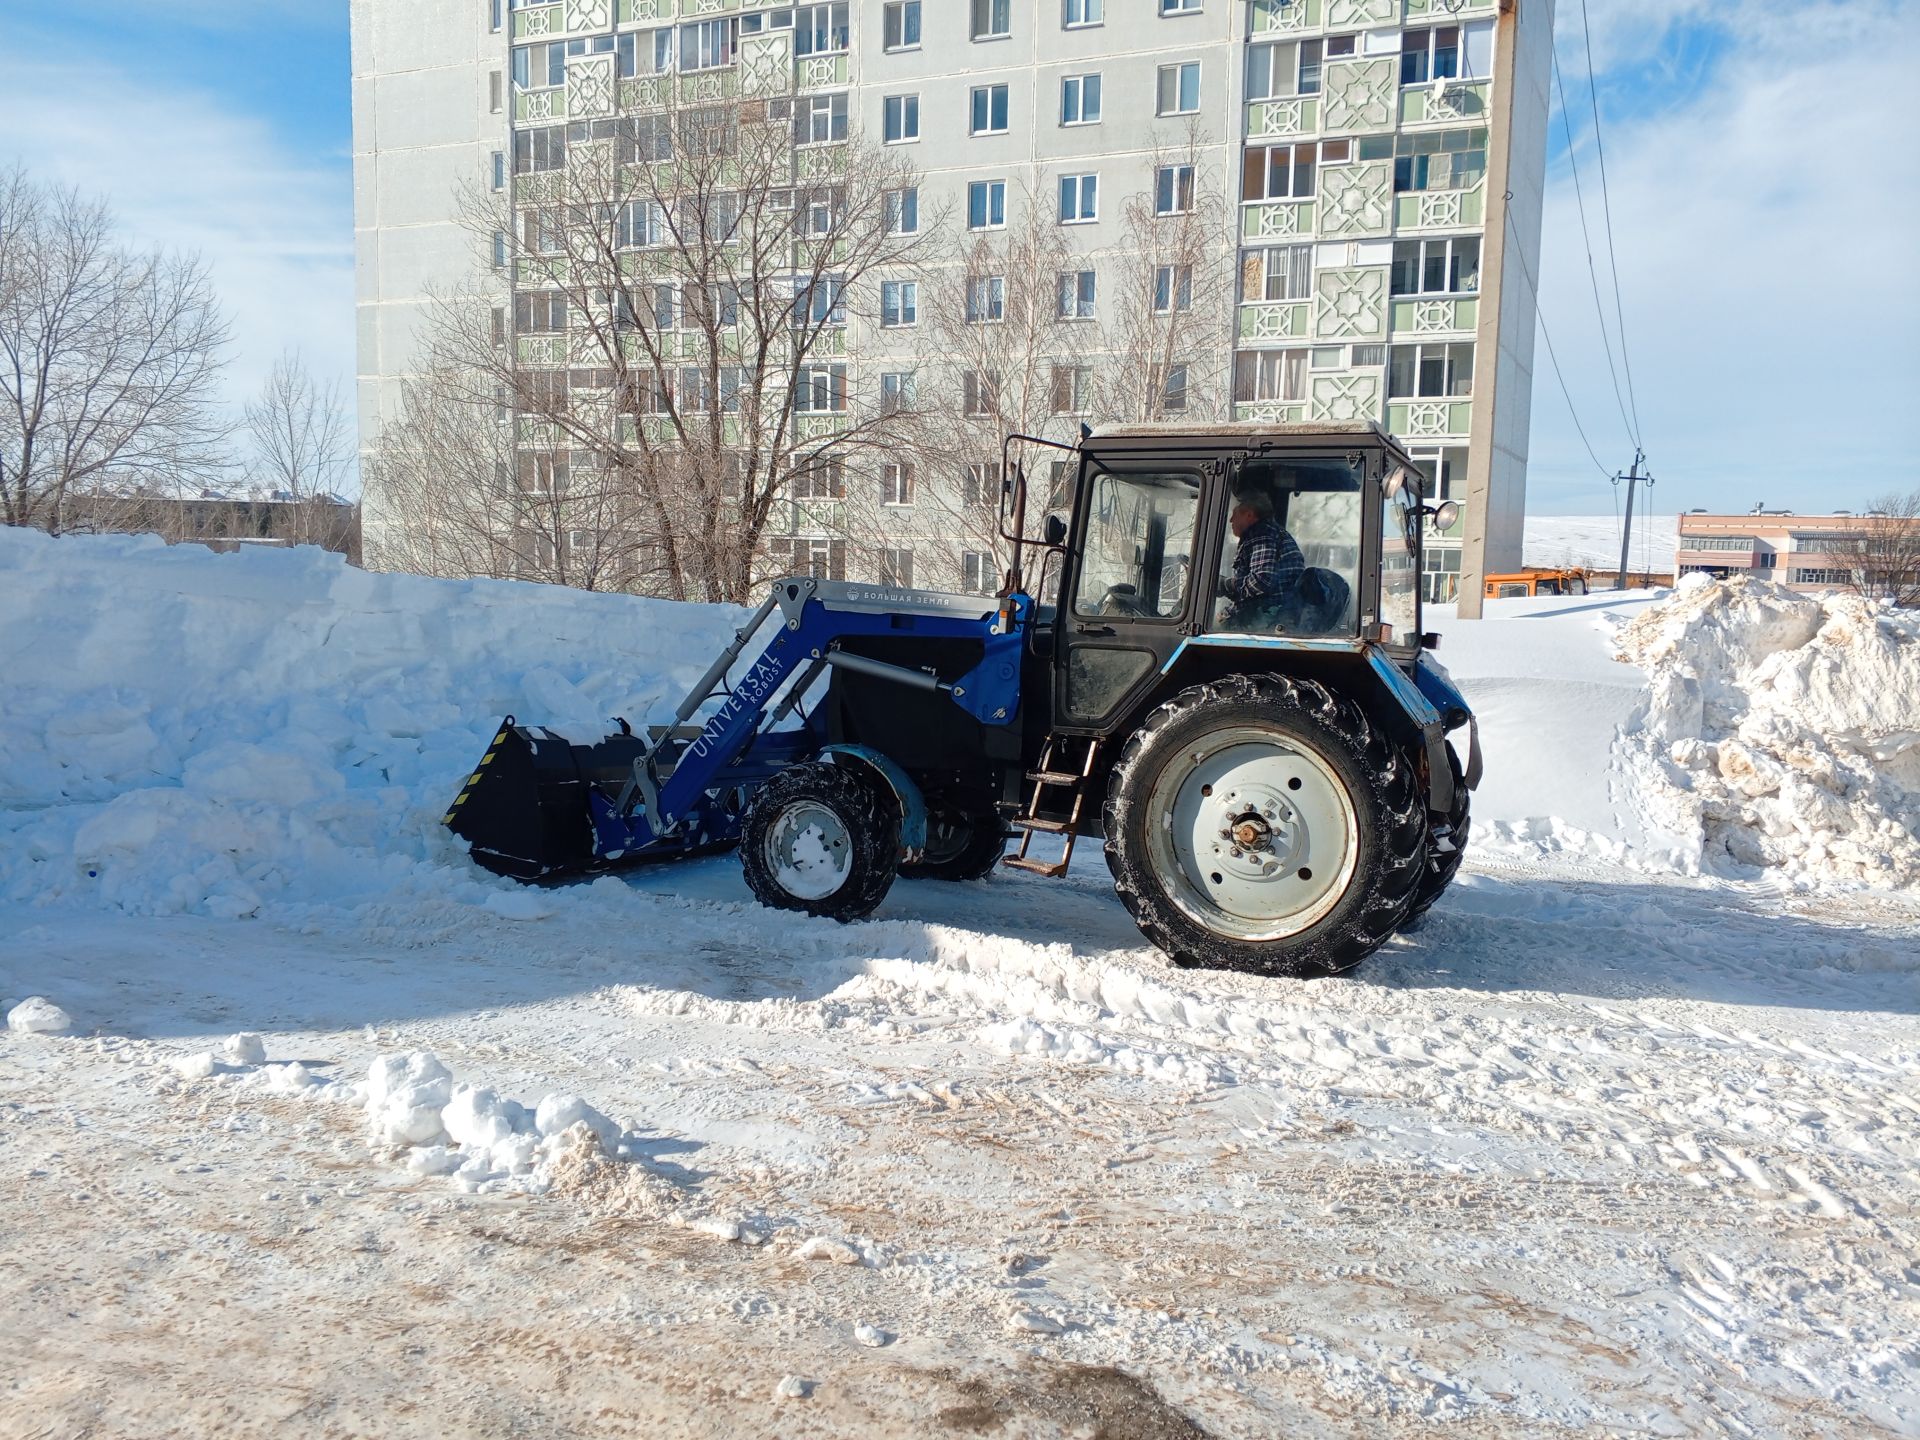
(1290, 561)
(1137, 559)
(1400, 563)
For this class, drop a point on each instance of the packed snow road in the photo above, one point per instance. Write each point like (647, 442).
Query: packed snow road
(1613, 1141)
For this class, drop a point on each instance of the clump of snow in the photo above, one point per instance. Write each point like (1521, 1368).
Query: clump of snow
(197, 1066)
(257, 733)
(1782, 730)
(822, 1247)
(246, 1048)
(792, 1387)
(872, 1336)
(37, 1015)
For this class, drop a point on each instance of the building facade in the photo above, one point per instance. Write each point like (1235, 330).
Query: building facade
(1377, 166)
(1777, 545)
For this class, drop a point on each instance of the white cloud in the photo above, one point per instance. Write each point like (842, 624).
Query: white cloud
(181, 172)
(1765, 228)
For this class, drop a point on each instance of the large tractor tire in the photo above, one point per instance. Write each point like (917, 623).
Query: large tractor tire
(1261, 823)
(960, 848)
(823, 839)
(1446, 845)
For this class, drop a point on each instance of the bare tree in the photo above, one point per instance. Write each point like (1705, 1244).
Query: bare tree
(673, 355)
(1883, 554)
(109, 361)
(301, 448)
(1170, 331)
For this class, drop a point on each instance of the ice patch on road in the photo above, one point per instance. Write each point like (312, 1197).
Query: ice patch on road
(1781, 731)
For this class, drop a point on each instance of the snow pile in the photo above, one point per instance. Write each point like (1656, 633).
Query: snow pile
(235, 734)
(1783, 730)
(37, 1015)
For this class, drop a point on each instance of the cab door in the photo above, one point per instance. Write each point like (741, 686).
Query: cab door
(1132, 592)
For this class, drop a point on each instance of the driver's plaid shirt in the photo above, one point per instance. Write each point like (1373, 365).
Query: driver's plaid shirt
(1268, 563)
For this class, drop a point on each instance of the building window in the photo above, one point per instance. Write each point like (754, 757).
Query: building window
(989, 111)
(543, 474)
(897, 391)
(1075, 14)
(987, 204)
(1173, 190)
(900, 118)
(992, 19)
(903, 211)
(1429, 371)
(1179, 7)
(1439, 160)
(1278, 172)
(542, 313)
(1172, 289)
(820, 302)
(1283, 69)
(820, 29)
(1429, 54)
(1445, 471)
(819, 119)
(979, 392)
(1276, 272)
(1173, 388)
(819, 480)
(499, 249)
(1072, 389)
(896, 484)
(1269, 375)
(643, 52)
(1730, 543)
(820, 389)
(1368, 356)
(1079, 199)
(899, 303)
(708, 44)
(542, 149)
(980, 484)
(986, 299)
(900, 25)
(1079, 99)
(499, 169)
(1816, 575)
(1076, 291)
(896, 567)
(976, 572)
(1437, 267)
(814, 556)
(639, 223)
(539, 67)
(1179, 89)
(495, 15)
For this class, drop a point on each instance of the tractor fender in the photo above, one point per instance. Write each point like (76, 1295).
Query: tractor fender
(913, 805)
(1437, 684)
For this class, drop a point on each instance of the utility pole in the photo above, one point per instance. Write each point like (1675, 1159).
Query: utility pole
(1633, 477)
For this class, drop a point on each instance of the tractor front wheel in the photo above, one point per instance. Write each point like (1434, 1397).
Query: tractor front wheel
(1262, 823)
(823, 839)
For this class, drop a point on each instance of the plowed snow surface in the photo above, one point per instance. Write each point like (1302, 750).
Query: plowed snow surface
(1601, 1146)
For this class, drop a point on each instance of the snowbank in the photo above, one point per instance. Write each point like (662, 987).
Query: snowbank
(241, 734)
(1781, 730)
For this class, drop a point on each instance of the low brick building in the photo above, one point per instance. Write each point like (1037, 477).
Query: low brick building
(1775, 545)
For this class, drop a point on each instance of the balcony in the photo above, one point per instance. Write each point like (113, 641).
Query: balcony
(1443, 417)
(1283, 119)
(1273, 322)
(1286, 17)
(1435, 314)
(1277, 220)
(1452, 102)
(1270, 412)
(539, 107)
(1419, 210)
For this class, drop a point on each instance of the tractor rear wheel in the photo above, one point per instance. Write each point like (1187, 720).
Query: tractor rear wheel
(823, 839)
(1445, 847)
(960, 847)
(1262, 823)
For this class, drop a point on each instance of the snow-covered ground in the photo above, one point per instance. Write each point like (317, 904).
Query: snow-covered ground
(1612, 1142)
(1592, 542)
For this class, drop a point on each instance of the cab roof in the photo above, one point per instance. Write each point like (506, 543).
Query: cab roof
(1241, 430)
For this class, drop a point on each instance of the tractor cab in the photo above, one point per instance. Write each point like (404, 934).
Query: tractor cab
(1304, 537)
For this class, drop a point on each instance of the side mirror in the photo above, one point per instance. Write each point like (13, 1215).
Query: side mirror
(1056, 530)
(1396, 482)
(1445, 514)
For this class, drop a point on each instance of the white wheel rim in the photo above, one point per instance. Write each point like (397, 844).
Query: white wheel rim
(809, 851)
(1252, 834)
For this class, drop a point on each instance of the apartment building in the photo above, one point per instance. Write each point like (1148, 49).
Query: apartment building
(1776, 545)
(1378, 167)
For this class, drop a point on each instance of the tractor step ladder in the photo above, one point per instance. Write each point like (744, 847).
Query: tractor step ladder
(1046, 778)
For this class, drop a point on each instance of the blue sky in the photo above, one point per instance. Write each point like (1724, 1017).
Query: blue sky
(1765, 212)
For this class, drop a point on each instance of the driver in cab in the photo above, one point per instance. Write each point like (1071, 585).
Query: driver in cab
(1266, 566)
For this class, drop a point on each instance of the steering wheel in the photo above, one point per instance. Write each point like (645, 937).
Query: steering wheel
(1122, 599)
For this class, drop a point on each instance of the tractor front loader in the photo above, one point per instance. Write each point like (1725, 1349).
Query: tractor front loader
(1273, 782)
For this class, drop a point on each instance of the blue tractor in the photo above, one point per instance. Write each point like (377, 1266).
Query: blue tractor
(1272, 779)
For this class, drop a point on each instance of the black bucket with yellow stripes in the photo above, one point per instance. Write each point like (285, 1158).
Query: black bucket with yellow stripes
(524, 808)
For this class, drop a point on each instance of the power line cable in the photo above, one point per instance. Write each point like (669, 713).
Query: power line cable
(1586, 241)
(1539, 314)
(1606, 211)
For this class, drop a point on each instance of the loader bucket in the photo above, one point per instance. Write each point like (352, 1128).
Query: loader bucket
(524, 808)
